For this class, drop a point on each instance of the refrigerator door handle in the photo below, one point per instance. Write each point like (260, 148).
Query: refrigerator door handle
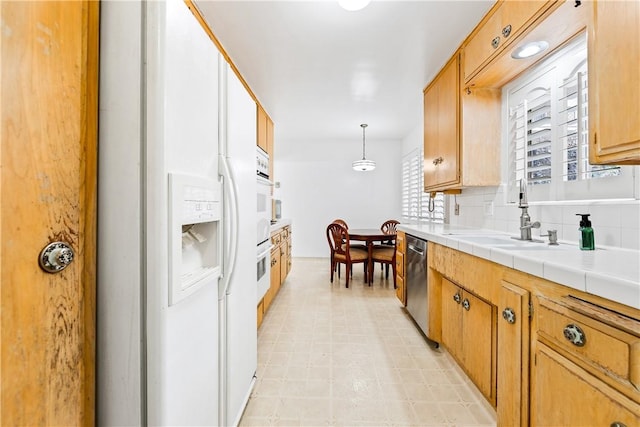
(229, 267)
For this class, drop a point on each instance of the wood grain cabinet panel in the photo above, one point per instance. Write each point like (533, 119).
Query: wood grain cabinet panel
(614, 82)
(468, 332)
(401, 293)
(261, 137)
(461, 133)
(566, 395)
(502, 24)
(513, 356)
(440, 128)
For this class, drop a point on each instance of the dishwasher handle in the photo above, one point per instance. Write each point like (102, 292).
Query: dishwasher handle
(415, 249)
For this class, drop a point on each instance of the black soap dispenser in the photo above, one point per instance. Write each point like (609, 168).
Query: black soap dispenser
(587, 241)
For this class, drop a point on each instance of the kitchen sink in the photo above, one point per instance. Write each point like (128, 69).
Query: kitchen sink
(509, 243)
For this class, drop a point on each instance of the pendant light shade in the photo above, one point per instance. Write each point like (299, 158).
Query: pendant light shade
(364, 164)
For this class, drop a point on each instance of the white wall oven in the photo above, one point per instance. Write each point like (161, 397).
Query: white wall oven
(264, 268)
(263, 263)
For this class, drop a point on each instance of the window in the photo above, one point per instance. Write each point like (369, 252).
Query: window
(548, 134)
(415, 202)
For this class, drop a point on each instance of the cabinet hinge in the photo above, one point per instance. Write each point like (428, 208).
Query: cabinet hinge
(530, 309)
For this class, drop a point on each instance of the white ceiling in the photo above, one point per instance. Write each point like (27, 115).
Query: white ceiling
(320, 71)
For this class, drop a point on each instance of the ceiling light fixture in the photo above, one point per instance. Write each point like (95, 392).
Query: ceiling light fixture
(363, 165)
(353, 5)
(530, 49)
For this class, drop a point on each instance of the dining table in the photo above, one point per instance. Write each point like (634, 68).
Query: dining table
(370, 236)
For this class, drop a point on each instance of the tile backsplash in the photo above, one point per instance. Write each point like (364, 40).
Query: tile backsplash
(616, 223)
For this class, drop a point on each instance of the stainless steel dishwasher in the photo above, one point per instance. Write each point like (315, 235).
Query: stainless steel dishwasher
(416, 280)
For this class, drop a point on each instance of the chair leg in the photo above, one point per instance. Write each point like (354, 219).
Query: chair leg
(333, 266)
(348, 268)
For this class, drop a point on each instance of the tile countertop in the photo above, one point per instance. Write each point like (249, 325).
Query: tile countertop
(611, 273)
(280, 224)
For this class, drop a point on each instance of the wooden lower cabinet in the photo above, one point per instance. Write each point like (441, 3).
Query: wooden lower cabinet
(469, 333)
(541, 353)
(401, 291)
(567, 395)
(280, 267)
(513, 355)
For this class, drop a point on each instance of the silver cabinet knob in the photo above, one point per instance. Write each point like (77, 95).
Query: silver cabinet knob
(509, 315)
(456, 297)
(575, 335)
(466, 304)
(55, 257)
(506, 31)
(495, 42)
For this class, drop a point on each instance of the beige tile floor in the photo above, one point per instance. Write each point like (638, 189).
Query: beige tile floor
(331, 356)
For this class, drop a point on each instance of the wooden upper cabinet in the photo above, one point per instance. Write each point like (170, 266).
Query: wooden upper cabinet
(270, 146)
(614, 82)
(504, 22)
(262, 129)
(441, 128)
(461, 133)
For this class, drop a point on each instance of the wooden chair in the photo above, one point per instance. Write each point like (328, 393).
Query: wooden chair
(358, 246)
(342, 252)
(389, 226)
(385, 255)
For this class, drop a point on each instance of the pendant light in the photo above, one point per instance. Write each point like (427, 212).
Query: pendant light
(364, 164)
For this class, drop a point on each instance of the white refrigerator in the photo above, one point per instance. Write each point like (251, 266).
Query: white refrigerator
(176, 313)
(239, 288)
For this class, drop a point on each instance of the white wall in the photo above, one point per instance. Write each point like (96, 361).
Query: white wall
(317, 185)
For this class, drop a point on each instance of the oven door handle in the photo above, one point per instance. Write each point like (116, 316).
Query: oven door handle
(265, 252)
(232, 222)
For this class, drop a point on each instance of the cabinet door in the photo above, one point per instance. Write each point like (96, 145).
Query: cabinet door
(506, 22)
(284, 262)
(441, 128)
(477, 342)
(513, 356)
(430, 135)
(451, 321)
(270, 147)
(517, 15)
(479, 47)
(261, 129)
(566, 395)
(275, 278)
(400, 291)
(447, 170)
(614, 82)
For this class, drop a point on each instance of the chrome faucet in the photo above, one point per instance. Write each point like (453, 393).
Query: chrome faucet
(525, 220)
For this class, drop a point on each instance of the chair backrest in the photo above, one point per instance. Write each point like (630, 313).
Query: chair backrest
(341, 222)
(338, 238)
(389, 226)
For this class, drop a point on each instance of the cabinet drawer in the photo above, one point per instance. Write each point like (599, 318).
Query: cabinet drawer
(275, 238)
(400, 242)
(609, 350)
(399, 263)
